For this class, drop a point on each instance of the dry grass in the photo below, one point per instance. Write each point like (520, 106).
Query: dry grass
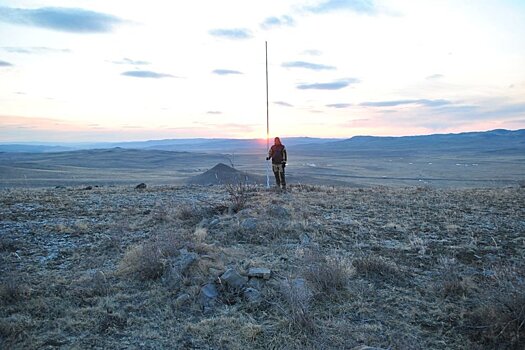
(326, 274)
(391, 268)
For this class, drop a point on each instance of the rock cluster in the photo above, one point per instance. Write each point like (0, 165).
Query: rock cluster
(231, 281)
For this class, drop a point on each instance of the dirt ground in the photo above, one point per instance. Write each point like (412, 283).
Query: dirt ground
(395, 268)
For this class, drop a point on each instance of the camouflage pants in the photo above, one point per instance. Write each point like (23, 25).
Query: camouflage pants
(278, 171)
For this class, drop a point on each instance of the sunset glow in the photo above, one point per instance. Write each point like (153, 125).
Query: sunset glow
(98, 70)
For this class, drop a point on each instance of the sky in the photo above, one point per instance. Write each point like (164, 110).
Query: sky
(117, 70)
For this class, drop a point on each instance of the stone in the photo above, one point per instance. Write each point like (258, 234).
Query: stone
(279, 212)
(305, 239)
(249, 224)
(366, 347)
(208, 296)
(182, 299)
(260, 272)
(233, 279)
(185, 260)
(141, 186)
(252, 295)
(255, 283)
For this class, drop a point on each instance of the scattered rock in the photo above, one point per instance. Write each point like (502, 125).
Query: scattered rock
(182, 299)
(366, 347)
(252, 295)
(255, 283)
(249, 224)
(279, 212)
(260, 272)
(184, 261)
(233, 279)
(208, 296)
(214, 222)
(305, 239)
(141, 186)
(88, 188)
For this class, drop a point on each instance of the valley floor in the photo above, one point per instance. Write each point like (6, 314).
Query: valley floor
(396, 268)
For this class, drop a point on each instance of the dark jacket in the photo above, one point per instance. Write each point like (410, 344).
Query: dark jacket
(278, 154)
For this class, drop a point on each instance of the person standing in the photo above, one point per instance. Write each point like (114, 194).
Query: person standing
(277, 154)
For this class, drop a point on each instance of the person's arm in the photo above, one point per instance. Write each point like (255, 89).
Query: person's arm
(270, 153)
(285, 155)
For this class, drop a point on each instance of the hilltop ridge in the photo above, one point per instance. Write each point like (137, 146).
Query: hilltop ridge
(316, 267)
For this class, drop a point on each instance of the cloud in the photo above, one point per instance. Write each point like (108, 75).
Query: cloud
(235, 34)
(225, 72)
(358, 6)
(339, 105)
(282, 103)
(434, 76)
(34, 50)
(73, 20)
(271, 22)
(5, 64)
(335, 85)
(131, 62)
(214, 112)
(147, 74)
(307, 65)
(424, 102)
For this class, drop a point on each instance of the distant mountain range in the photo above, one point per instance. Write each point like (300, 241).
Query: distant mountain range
(178, 145)
(500, 140)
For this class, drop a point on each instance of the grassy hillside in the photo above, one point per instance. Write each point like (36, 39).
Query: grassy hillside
(168, 267)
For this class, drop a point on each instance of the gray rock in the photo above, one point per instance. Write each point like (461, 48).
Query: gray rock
(182, 299)
(208, 296)
(233, 279)
(214, 222)
(260, 272)
(255, 283)
(279, 212)
(305, 239)
(252, 295)
(366, 347)
(140, 186)
(249, 224)
(185, 260)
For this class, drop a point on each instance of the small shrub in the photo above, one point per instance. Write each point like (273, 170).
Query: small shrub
(500, 322)
(12, 290)
(455, 286)
(418, 243)
(297, 296)
(13, 327)
(112, 321)
(327, 275)
(375, 267)
(145, 261)
(451, 283)
(148, 261)
(8, 245)
(239, 194)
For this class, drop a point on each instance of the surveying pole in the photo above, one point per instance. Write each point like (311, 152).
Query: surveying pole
(267, 120)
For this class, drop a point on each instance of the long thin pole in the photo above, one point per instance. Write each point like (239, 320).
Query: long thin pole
(267, 118)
